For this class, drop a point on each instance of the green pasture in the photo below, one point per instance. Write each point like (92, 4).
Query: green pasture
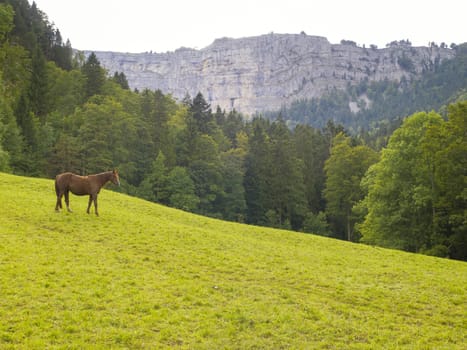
(143, 276)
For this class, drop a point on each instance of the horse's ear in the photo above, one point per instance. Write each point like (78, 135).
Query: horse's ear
(115, 171)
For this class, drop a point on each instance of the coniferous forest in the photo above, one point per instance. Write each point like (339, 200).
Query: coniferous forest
(394, 176)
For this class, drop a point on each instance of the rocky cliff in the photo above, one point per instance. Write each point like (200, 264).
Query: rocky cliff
(265, 72)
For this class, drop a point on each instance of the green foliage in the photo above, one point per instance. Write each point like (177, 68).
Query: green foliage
(399, 196)
(450, 179)
(121, 80)
(233, 173)
(257, 172)
(317, 224)
(105, 130)
(286, 180)
(32, 30)
(38, 89)
(6, 21)
(94, 75)
(312, 150)
(65, 91)
(345, 169)
(200, 111)
(415, 193)
(147, 276)
(153, 187)
(181, 190)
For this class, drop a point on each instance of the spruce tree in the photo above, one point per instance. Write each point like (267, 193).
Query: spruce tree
(94, 75)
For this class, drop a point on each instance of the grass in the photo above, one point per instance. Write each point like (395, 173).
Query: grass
(143, 276)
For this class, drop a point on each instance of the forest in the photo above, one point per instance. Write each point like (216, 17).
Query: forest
(398, 182)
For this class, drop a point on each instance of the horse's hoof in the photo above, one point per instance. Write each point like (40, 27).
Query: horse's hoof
(70, 211)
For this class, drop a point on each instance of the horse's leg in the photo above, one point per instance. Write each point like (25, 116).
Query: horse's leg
(58, 206)
(95, 205)
(89, 203)
(67, 201)
(59, 197)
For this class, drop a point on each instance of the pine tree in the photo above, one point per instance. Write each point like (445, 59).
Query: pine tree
(120, 79)
(38, 89)
(286, 179)
(257, 176)
(312, 149)
(94, 74)
(201, 113)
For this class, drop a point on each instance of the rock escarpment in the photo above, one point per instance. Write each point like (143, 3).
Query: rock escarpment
(263, 73)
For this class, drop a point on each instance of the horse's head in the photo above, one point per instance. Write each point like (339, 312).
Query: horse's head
(115, 178)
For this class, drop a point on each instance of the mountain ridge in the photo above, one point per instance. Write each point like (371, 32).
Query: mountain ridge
(266, 72)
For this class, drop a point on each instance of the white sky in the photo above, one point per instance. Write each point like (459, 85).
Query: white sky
(160, 26)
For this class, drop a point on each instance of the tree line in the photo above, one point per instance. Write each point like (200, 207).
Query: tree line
(76, 117)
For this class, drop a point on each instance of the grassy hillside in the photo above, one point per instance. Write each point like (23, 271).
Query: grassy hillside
(145, 276)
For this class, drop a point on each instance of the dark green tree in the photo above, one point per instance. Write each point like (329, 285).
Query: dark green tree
(233, 172)
(257, 176)
(65, 155)
(120, 79)
(38, 88)
(94, 75)
(142, 151)
(286, 179)
(62, 53)
(232, 125)
(156, 110)
(451, 183)
(29, 127)
(13, 81)
(312, 149)
(205, 169)
(201, 113)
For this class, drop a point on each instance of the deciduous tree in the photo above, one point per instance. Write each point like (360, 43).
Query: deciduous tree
(344, 169)
(401, 192)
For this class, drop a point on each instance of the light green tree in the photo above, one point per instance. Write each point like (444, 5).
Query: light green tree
(181, 190)
(401, 189)
(344, 170)
(154, 186)
(105, 130)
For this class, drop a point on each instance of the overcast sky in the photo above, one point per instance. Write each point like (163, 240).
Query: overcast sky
(160, 26)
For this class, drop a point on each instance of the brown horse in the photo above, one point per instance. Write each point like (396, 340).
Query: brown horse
(81, 186)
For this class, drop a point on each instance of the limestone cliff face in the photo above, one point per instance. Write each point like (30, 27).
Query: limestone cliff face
(265, 72)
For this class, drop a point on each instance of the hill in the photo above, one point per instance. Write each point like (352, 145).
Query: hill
(264, 73)
(145, 276)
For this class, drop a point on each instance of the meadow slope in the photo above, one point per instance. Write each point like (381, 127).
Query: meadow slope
(143, 276)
